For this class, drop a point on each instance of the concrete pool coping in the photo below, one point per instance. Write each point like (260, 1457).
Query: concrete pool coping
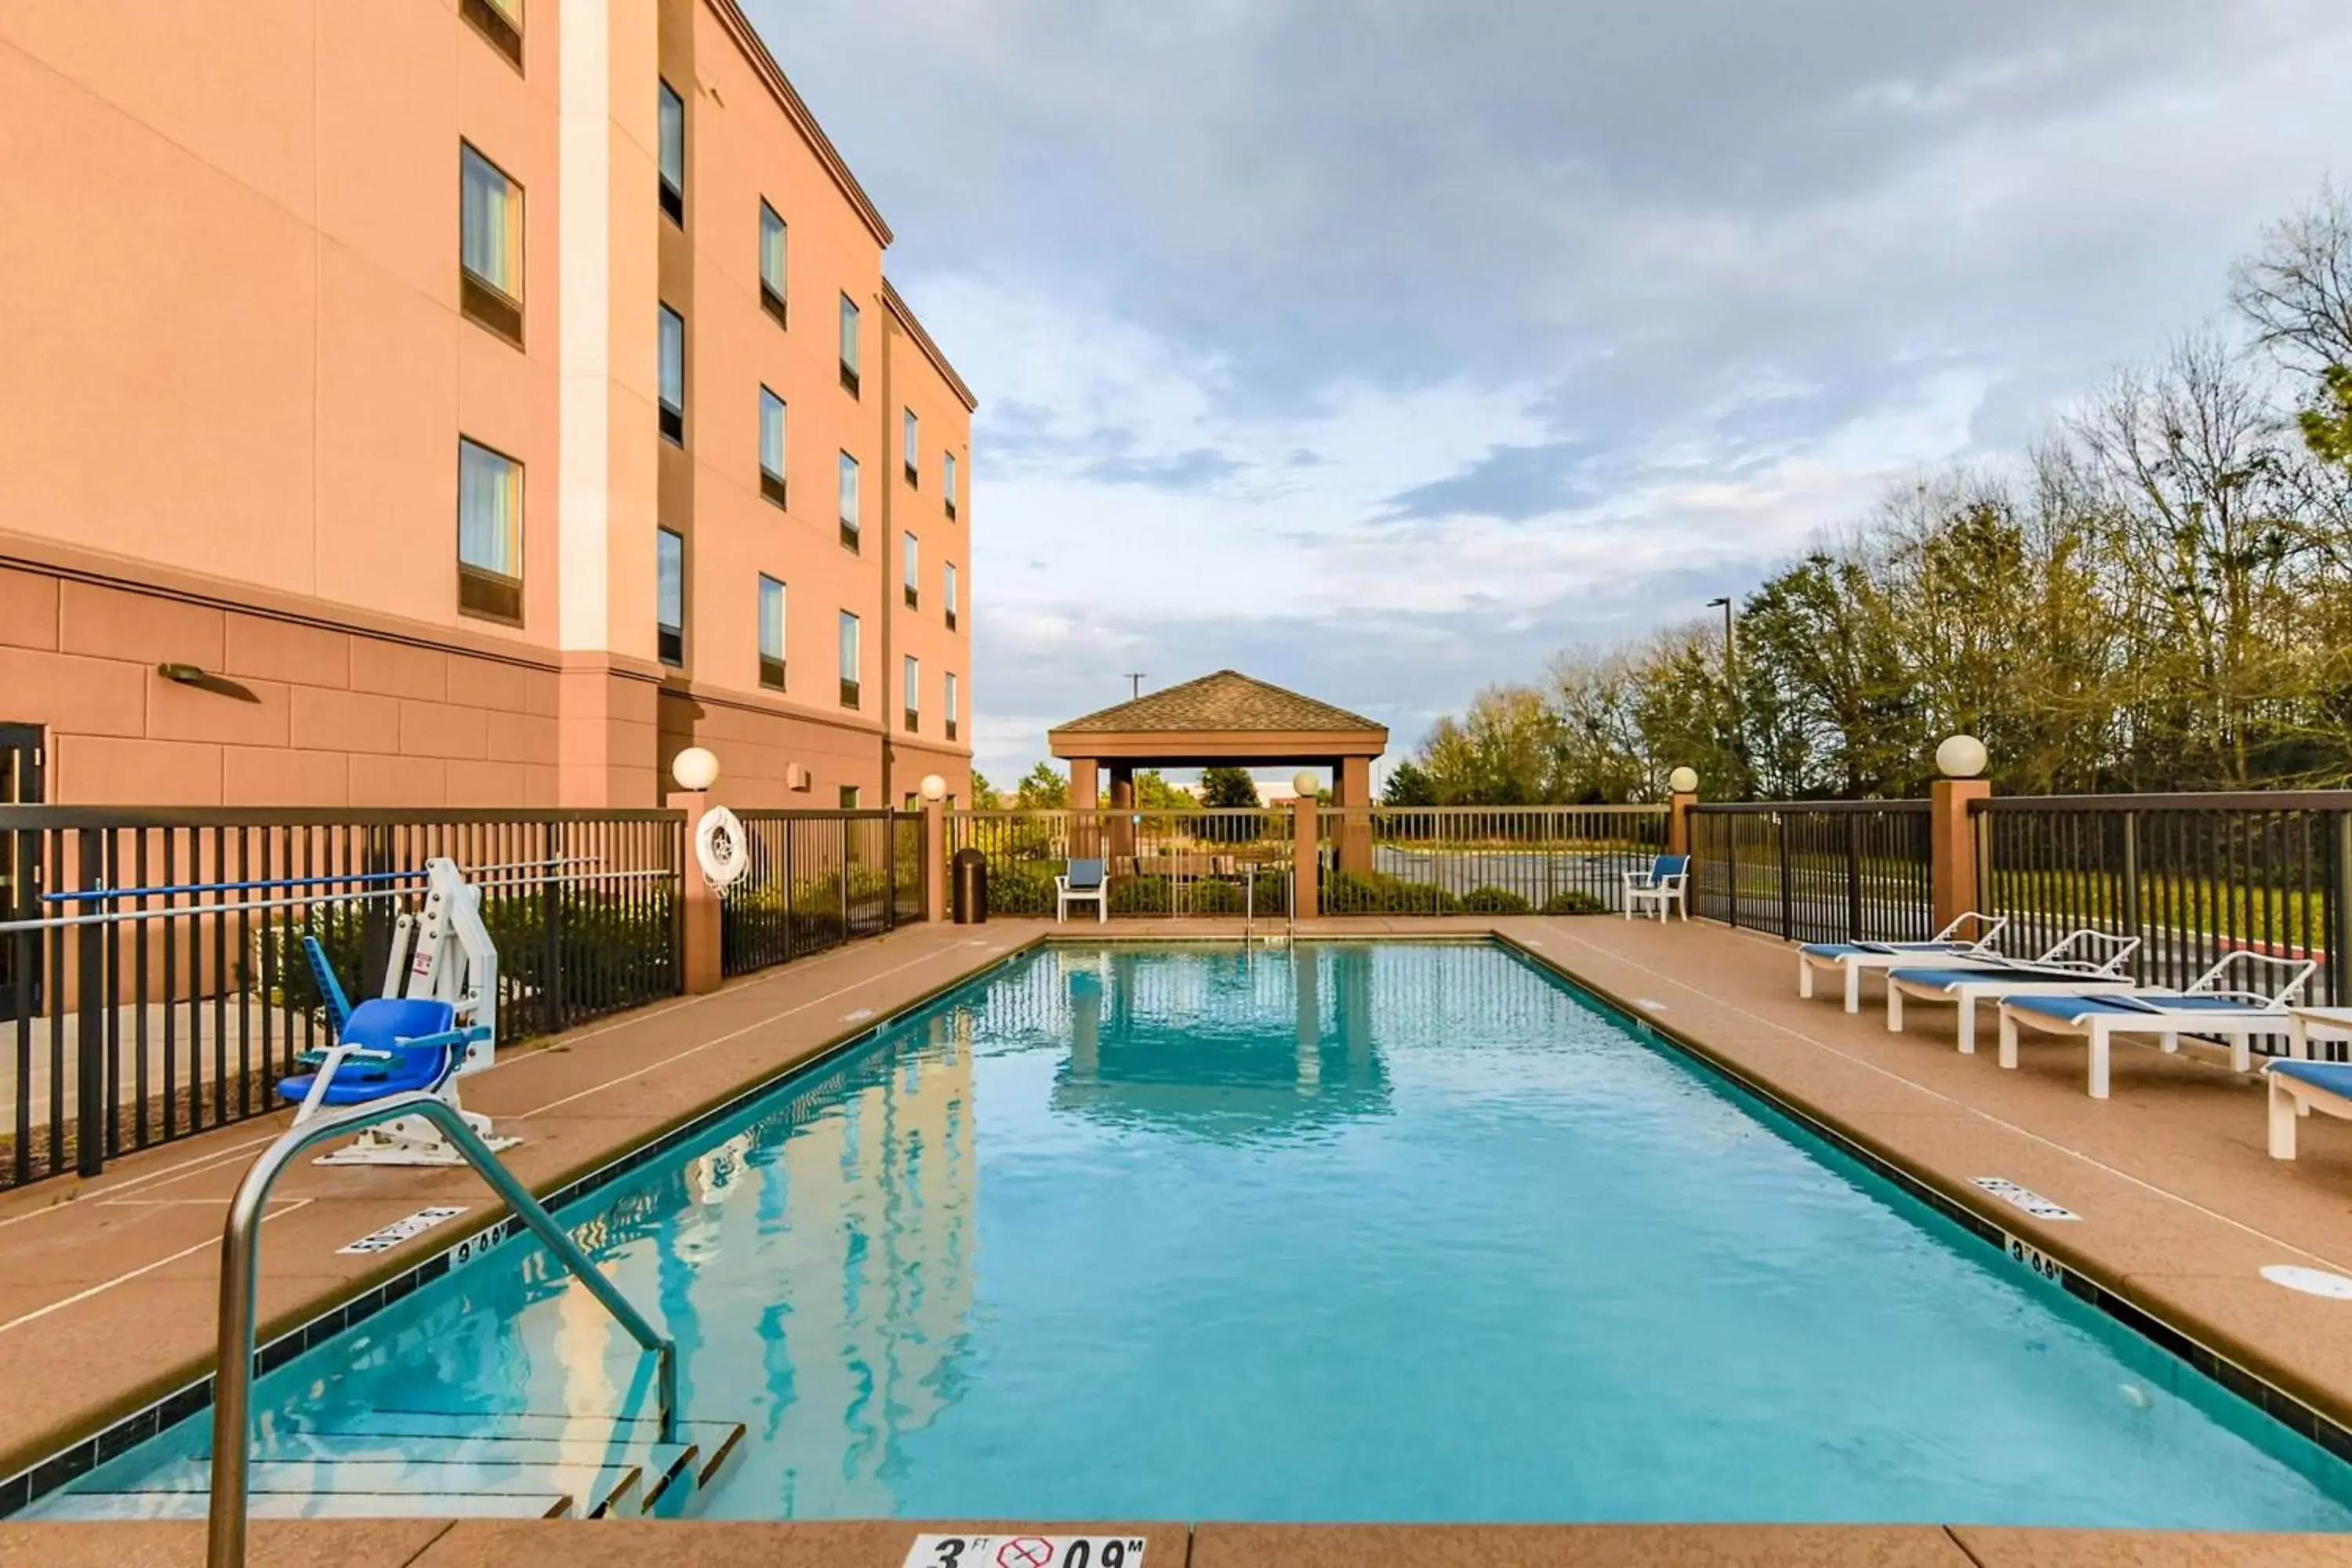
(106, 1299)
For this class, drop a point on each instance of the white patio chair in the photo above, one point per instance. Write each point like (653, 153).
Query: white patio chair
(1667, 881)
(1083, 882)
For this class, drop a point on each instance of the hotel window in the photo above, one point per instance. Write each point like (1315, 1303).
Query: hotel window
(948, 592)
(849, 665)
(849, 501)
(914, 574)
(907, 432)
(673, 376)
(490, 246)
(771, 446)
(501, 22)
(914, 693)
(850, 797)
(951, 709)
(947, 480)
(772, 632)
(673, 153)
(772, 263)
(670, 597)
(849, 356)
(489, 533)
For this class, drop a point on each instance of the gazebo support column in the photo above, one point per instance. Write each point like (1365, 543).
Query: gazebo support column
(1085, 838)
(1122, 805)
(1351, 792)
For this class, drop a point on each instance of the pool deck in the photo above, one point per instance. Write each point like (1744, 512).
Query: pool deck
(108, 1288)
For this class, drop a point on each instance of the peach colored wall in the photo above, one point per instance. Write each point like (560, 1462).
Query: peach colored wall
(316, 716)
(945, 425)
(247, 225)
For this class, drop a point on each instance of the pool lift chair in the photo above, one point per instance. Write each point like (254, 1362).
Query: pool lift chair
(435, 1022)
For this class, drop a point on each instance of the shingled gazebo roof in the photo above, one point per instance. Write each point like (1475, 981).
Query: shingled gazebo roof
(1222, 717)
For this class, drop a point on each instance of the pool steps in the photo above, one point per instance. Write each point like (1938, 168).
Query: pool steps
(426, 1464)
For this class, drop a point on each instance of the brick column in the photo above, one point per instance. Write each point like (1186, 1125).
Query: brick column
(699, 964)
(1085, 840)
(1679, 821)
(1952, 854)
(1351, 792)
(935, 860)
(1306, 860)
(1122, 804)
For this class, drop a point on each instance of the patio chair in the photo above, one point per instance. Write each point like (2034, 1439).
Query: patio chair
(1667, 881)
(2084, 962)
(1084, 882)
(1853, 959)
(2206, 1008)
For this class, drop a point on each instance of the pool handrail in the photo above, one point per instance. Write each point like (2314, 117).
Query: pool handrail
(240, 1270)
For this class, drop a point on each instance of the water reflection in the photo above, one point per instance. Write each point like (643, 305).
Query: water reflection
(1168, 1041)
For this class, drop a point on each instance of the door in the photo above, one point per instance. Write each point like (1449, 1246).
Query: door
(20, 876)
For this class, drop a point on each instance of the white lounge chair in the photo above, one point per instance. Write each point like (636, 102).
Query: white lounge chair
(1667, 881)
(1854, 958)
(2084, 962)
(1084, 882)
(2298, 1087)
(2206, 1008)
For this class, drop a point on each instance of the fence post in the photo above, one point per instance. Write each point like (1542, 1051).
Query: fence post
(90, 1064)
(891, 864)
(1731, 871)
(2339, 913)
(551, 921)
(1306, 858)
(1788, 882)
(1951, 852)
(1854, 876)
(375, 916)
(2131, 883)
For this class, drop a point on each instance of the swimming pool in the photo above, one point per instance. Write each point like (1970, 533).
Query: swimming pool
(1350, 1232)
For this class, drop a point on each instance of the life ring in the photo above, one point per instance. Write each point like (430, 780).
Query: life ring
(721, 848)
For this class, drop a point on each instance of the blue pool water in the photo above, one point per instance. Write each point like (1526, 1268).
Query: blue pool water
(1355, 1232)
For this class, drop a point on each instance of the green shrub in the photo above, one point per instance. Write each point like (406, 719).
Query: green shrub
(1138, 895)
(1020, 889)
(1348, 893)
(1495, 902)
(1574, 902)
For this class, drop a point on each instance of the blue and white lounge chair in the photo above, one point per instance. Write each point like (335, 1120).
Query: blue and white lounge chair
(2206, 1008)
(2083, 962)
(1855, 958)
(2300, 1087)
(1081, 883)
(1667, 881)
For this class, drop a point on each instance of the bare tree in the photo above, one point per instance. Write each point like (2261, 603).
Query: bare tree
(2296, 289)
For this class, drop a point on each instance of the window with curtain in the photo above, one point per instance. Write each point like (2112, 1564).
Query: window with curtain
(772, 632)
(908, 430)
(849, 353)
(947, 593)
(771, 446)
(948, 480)
(913, 574)
(952, 708)
(849, 660)
(771, 262)
(914, 668)
(489, 245)
(673, 376)
(490, 532)
(673, 153)
(849, 501)
(669, 596)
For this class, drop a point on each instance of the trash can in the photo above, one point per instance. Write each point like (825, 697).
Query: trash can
(970, 887)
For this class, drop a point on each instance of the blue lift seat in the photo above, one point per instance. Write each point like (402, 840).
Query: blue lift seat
(407, 1042)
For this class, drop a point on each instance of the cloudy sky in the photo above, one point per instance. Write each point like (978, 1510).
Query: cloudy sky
(1383, 348)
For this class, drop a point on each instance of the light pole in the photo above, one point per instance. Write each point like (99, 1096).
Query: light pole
(1731, 672)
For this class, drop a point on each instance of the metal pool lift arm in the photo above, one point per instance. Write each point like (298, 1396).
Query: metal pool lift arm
(240, 1271)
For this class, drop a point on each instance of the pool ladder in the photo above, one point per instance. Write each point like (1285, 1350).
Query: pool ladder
(240, 1269)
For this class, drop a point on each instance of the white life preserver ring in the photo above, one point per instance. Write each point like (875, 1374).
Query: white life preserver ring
(721, 848)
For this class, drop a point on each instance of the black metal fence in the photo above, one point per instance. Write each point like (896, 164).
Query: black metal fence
(179, 993)
(819, 878)
(1816, 871)
(1493, 860)
(2195, 876)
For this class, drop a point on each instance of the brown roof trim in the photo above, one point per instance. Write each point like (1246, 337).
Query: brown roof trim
(747, 39)
(900, 309)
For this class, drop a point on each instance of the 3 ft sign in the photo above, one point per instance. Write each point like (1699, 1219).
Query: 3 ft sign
(1026, 1552)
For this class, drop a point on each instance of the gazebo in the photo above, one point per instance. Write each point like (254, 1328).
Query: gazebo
(1225, 719)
